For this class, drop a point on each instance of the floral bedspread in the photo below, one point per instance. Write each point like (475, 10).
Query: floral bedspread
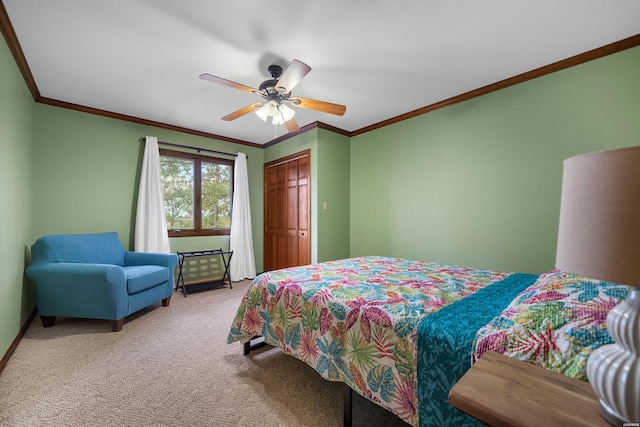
(355, 320)
(556, 323)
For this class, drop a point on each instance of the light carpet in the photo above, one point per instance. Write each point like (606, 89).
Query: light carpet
(167, 367)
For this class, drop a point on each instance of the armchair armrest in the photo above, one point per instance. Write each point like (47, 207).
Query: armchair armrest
(150, 258)
(76, 274)
(97, 291)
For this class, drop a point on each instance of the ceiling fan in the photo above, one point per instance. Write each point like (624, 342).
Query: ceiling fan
(276, 95)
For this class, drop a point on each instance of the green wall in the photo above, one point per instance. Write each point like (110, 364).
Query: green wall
(333, 154)
(478, 183)
(87, 169)
(16, 122)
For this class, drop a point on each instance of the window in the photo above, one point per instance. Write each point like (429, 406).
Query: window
(197, 193)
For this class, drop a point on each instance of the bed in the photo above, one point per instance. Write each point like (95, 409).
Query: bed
(402, 332)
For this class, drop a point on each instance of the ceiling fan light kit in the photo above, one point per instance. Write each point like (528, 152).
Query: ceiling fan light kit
(269, 109)
(280, 112)
(276, 94)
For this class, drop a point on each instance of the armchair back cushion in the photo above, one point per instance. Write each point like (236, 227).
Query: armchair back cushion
(97, 248)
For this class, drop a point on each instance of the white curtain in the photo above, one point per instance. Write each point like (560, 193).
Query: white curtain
(243, 264)
(151, 225)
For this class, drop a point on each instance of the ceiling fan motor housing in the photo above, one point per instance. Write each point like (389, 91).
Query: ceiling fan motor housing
(268, 87)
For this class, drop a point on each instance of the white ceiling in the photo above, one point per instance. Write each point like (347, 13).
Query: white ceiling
(380, 58)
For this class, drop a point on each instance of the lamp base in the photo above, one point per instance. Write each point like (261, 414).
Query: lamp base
(610, 415)
(614, 369)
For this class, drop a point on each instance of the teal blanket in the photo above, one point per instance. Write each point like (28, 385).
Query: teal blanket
(444, 344)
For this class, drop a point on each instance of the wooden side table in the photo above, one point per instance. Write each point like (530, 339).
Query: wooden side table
(502, 391)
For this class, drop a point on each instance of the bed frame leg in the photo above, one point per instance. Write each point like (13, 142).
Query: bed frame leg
(253, 344)
(347, 395)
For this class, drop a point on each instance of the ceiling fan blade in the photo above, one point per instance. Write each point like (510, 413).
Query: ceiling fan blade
(292, 125)
(229, 83)
(294, 73)
(325, 107)
(241, 112)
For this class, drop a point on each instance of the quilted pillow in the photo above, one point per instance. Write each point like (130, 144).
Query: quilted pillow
(555, 323)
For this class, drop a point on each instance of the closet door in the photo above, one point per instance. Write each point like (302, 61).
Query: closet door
(271, 218)
(302, 217)
(287, 212)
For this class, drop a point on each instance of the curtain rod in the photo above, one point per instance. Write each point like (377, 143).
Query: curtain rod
(197, 148)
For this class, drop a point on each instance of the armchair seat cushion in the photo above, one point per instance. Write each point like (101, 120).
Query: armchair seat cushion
(141, 277)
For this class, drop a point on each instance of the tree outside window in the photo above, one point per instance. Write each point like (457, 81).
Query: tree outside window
(197, 193)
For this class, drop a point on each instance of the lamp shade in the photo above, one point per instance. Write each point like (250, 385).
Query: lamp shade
(599, 237)
(599, 232)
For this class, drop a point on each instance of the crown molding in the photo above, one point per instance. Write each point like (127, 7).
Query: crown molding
(14, 46)
(609, 49)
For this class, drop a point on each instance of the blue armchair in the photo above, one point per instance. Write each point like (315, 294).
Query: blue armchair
(93, 276)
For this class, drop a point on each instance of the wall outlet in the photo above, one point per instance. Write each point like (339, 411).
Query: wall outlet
(325, 206)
